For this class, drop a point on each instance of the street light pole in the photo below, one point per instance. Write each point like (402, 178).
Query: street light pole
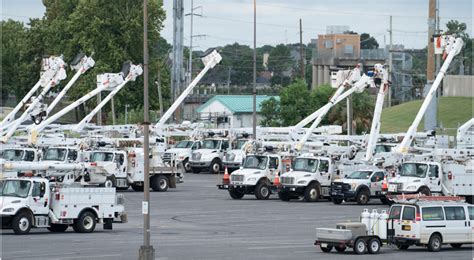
(147, 252)
(254, 69)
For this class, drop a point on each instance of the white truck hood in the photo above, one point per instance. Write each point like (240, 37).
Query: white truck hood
(247, 172)
(298, 174)
(10, 202)
(178, 150)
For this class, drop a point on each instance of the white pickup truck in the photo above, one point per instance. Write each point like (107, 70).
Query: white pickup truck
(359, 186)
(36, 202)
(255, 177)
(310, 178)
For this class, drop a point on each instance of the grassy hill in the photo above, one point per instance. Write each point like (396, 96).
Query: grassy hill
(452, 112)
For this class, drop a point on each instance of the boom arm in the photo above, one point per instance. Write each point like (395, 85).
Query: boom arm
(211, 60)
(452, 47)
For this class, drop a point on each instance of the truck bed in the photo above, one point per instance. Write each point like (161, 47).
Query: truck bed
(333, 234)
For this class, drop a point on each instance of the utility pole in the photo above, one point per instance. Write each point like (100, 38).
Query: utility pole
(349, 115)
(99, 114)
(113, 110)
(228, 80)
(146, 252)
(160, 99)
(390, 63)
(177, 68)
(430, 118)
(190, 68)
(301, 51)
(126, 113)
(254, 92)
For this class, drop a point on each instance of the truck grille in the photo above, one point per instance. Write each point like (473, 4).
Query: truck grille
(340, 186)
(167, 157)
(196, 156)
(399, 185)
(234, 177)
(287, 180)
(229, 157)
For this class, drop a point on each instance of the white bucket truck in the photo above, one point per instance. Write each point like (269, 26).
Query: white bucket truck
(181, 152)
(210, 156)
(36, 202)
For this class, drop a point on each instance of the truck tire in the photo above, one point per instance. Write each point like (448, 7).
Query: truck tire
(456, 245)
(325, 249)
(284, 196)
(22, 223)
(195, 170)
(160, 183)
(403, 247)
(262, 191)
(110, 182)
(57, 228)
(425, 191)
(363, 197)
(215, 166)
(337, 201)
(340, 248)
(435, 243)
(85, 223)
(187, 165)
(235, 194)
(137, 187)
(359, 246)
(312, 192)
(374, 246)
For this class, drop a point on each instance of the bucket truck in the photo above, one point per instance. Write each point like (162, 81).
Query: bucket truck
(104, 82)
(59, 73)
(40, 203)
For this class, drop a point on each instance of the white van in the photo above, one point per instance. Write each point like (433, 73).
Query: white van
(432, 224)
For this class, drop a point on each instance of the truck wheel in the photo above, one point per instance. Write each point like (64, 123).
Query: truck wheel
(235, 194)
(311, 193)
(262, 191)
(455, 245)
(57, 228)
(187, 165)
(284, 196)
(326, 249)
(195, 170)
(363, 197)
(22, 223)
(374, 246)
(110, 182)
(85, 223)
(435, 243)
(340, 248)
(160, 183)
(359, 246)
(137, 187)
(337, 201)
(403, 247)
(385, 201)
(425, 191)
(215, 166)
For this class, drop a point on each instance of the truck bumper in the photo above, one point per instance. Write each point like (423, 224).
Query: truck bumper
(346, 195)
(199, 164)
(6, 221)
(293, 189)
(247, 189)
(406, 241)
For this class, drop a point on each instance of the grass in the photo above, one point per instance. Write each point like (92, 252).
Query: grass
(452, 112)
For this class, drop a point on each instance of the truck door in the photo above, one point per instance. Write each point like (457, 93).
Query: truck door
(376, 183)
(432, 219)
(324, 169)
(394, 217)
(121, 164)
(273, 166)
(470, 210)
(39, 198)
(435, 180)
(456, 225)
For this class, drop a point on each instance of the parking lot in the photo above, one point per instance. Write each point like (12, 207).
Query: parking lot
(197, 221)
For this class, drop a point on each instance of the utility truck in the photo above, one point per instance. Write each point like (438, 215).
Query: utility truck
(182, 152)
(234, 157)
(310, 177)
(256, 176)
(40, 203)
(210, 156)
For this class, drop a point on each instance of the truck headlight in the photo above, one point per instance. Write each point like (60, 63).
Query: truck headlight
(8, 210)
(353, 186)
(302, 182)
(252, 179)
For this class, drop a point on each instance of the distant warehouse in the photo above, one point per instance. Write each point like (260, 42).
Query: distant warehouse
(458, 86)
(231, 110)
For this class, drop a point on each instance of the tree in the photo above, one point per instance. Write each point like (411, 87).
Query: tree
(295, 101)
(454, 27)
(270, 112)
(363, 107)
(368, 42)
(319, 97)
(279, 62)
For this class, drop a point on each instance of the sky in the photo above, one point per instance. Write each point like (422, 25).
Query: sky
(228, 21)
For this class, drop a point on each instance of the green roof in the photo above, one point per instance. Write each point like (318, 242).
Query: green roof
(237, 103)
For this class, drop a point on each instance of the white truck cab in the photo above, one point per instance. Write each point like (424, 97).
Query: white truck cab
(36, 202)
(310, 178)
(209, 157)
(234, 157)
(24, 154)
(359, 186)
(182, 152)
(256, 176)
(60, 154)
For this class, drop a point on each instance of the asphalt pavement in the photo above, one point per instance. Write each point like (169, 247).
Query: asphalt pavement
(198, 221)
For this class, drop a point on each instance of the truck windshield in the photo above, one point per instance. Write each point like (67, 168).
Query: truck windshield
(184, 144)
(55, 154)
(380, 148)
(414, 170)
(305, 165)
(239, 144)
(12, 155)
(16, 188)
(210, 144)
(255, 162)
(359, 175)
(102, 157)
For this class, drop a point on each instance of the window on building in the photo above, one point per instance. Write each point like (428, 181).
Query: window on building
(348, 49)
(328, 44)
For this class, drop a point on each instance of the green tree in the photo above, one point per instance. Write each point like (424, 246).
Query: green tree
(320, 97)
(270, 112)
(280, 61)
(368, 42)
(363, 107)
(458, 29)
(295, 101)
